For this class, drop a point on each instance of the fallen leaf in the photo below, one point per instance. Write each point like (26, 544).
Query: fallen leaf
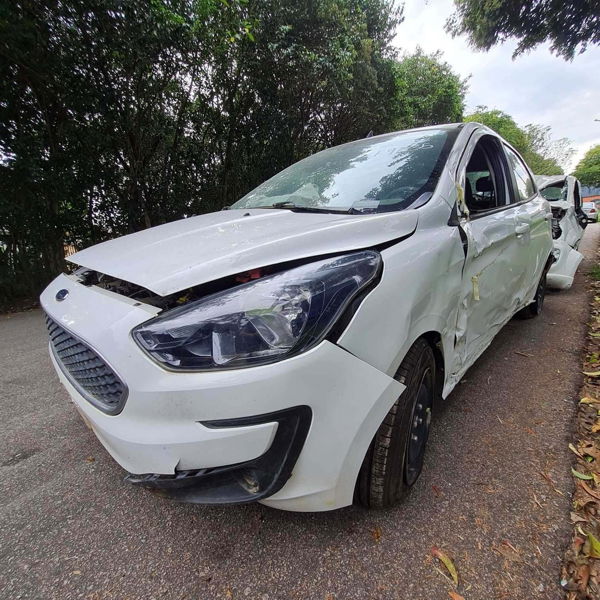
(76, 572)
(592, 373)
(575, 518)
(581, 475)
(90, 459)
(436, 491)
(589, 490)
(594, 546)
(590, 450)
(376, 533)
(441, 555)
(595, 427)
(573, 449)
(588, 400)
(455, 596)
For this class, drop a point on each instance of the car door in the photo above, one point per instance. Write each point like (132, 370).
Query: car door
(497, 235)
(533, 218)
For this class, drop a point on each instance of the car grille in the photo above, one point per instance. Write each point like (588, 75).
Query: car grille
(86, 370)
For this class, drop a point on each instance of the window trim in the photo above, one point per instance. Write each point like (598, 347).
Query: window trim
(502, 161)
(513, 177)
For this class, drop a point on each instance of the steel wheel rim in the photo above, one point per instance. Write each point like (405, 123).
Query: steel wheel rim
(419, 428)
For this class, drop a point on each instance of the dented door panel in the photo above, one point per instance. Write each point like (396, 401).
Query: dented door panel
(492, 282)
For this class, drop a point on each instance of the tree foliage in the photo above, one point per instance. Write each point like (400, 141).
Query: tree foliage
(116, 115)
(544, 155)
(588, 168)
(568, 26)
(428, 92)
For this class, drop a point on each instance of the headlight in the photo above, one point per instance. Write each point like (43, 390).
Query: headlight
(262, 321)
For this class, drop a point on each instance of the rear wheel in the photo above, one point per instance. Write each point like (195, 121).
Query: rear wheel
(395, 457)
(535, 308)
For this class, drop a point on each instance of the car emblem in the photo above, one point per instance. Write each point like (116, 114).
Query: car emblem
(62, 294)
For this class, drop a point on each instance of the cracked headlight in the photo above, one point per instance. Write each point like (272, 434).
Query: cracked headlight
(262, 321)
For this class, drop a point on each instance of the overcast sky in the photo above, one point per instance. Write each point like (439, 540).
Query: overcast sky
(535, 88)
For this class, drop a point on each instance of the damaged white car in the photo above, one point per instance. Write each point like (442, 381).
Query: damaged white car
(291, 350)
(568, 222)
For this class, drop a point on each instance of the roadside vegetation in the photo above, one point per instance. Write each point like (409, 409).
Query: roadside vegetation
(588, 168)
(581, 572)
(544, 155)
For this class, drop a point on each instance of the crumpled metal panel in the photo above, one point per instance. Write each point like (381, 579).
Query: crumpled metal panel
(189, 252)
(562, 272)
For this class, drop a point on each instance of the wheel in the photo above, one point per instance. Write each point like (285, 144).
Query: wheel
(395, 457)
(535, 307)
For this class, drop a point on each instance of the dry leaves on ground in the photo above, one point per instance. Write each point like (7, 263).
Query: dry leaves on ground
(581, 570)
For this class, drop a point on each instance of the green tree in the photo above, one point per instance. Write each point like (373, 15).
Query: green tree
(543, 155)
(568, 26)
(117, 115)
(588, 168)
(428, 92)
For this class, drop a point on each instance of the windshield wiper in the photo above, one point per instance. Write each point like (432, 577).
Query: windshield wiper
(301, 208)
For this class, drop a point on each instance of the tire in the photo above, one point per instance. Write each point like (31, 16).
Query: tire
(394, 459)
(535, 308)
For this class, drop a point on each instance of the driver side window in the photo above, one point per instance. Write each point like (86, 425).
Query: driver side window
(484, 182)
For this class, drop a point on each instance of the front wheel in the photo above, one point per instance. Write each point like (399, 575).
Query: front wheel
(395, 457)
(535, 308)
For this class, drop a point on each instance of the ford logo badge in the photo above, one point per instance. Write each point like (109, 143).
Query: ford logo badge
(62, 294)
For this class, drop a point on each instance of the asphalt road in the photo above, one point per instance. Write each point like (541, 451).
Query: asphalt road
(69, 527)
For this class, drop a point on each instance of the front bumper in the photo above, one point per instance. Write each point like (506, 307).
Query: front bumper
(245, 482)
(162, 428)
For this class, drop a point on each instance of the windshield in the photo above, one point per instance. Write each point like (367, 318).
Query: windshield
(378, 174)
(554, 192)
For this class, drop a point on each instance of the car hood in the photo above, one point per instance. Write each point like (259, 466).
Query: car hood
(185, 253)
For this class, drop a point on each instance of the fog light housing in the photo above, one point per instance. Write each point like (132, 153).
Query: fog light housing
(243, 482)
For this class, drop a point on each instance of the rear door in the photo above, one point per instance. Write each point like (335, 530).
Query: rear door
(533, 222)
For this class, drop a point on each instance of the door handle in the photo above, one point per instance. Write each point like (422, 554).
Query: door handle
(521, 229)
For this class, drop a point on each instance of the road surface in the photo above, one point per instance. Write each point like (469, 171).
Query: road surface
(69, 527)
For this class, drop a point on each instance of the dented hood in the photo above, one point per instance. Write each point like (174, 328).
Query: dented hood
(178, 255)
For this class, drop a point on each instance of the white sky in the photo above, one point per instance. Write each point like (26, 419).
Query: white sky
(534, 88)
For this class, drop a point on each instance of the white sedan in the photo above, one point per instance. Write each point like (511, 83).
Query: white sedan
(590, 210)
(291, 350)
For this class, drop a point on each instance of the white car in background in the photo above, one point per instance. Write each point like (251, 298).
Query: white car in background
(291, 350)
(591, 211)
(568, 222)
